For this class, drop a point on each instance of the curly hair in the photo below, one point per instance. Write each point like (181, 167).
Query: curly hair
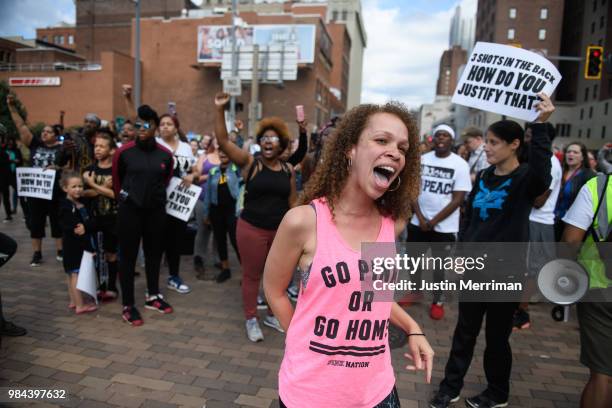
(278, 126)
(331, 175)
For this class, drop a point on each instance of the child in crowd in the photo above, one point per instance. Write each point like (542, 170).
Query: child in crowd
(76, 227)
(99, 183)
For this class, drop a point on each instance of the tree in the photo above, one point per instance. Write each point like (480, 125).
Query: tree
(5, 116)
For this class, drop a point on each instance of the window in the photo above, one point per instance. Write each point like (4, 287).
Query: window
(512, 13)
(344, 13)
(594, 5)
(592, 27)
(591, 112)
(334, 15)
(579, 132)
(569, 129)
(581, 113)
(71, 39)
(595, 91)
(586, 94)
(544, 13)
(542, 34)
(601, 22)
(588, 135)
(44, 38)
(606, 108)
(61, 40)
(1, 56)
(511, 33)
(603, 132)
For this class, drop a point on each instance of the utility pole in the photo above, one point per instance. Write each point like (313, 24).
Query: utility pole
(254, 91)
(232, 115)
(137, 89)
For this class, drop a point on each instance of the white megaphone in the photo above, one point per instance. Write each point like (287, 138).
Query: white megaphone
(563, 281)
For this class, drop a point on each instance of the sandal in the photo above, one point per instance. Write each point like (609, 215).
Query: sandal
(87, 309)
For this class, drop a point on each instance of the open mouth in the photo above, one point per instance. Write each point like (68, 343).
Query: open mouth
(383, 175)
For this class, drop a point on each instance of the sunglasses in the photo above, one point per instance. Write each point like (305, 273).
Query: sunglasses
(142, 125)
(272, 139)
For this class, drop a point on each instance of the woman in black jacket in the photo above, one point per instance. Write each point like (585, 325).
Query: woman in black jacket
(497, 211)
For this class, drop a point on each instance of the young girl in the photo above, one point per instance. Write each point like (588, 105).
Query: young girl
(359, 193)
(76, 226)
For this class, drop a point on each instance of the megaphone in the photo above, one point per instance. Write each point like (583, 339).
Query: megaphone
(563, 281)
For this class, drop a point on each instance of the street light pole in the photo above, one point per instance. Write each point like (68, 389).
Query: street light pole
(137, 57)
(232, 115)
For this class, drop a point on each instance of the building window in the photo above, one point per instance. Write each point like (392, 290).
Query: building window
(44, 38)
(594, 5)
(544, 13)
(512, 13)
(595, 91)
(606, 108)
(569, 130)
(61, 40)
(579, 133)
(591, 112)
(588, 135)
(334, 15)
(593, 27)
(71, 39)
(1, 56)
(344, 15)
(581, 113)
(601, 22)
(542, 34)
(511, 33)
(586, 94)
(603, 132)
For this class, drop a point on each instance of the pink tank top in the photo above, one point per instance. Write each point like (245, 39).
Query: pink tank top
(337, 348)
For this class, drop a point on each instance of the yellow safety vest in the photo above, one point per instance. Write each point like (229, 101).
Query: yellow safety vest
(589, 256)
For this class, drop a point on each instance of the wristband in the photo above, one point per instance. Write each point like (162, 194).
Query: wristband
(415, 334)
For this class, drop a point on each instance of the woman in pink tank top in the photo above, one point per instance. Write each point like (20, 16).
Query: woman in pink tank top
(337, 347)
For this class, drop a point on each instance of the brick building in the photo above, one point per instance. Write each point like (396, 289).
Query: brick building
(448, 76)
(62, 35)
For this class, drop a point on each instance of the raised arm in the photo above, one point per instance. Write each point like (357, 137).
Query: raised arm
(300, 152)
(24, 132)
(129, 103)
(539, 176)
(235, 154)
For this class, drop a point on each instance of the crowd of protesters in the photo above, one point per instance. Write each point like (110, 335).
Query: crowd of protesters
(357, 178)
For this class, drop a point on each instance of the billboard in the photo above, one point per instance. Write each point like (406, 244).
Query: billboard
(212, 39)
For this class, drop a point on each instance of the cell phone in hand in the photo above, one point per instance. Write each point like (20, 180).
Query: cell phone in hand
(299, 113)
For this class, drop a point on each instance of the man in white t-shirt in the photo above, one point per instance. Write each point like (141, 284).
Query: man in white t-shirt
(445, 179)
(541, 234)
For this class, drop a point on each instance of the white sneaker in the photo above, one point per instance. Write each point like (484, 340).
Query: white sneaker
(272, 321)
(253, 330)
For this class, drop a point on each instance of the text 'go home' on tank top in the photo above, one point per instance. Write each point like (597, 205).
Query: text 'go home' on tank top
(337, 347)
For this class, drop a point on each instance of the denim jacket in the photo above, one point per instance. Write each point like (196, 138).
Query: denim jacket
(214, 175)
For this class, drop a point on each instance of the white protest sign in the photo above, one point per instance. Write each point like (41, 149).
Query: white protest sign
(86, 281)
(505, 80)
(35, 182)
(181, 200)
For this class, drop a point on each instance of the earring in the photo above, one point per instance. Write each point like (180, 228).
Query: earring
(349, 164)
(399, 181)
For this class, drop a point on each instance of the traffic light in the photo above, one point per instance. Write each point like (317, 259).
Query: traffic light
(594, 62)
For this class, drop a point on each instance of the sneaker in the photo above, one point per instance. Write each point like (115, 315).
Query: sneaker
(482, 401)
(60, 256)
(253, 330)
(272, 321)
(176, 284)
(12, 330)
(224, 275)
(292, 292)
(261, 303)
(436, 312)
(158, 303)
(36, 259)
(132, 316)
(521, 319)
(441, 400)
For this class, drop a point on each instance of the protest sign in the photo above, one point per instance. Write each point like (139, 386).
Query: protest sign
(86, 281)
(505, 80)
(35, 182)
(181, 200)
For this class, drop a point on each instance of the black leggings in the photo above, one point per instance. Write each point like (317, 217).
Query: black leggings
(5, 191)
(135, 224)
(223, 222)
(39, 211)
(392, 401)
(174, 233)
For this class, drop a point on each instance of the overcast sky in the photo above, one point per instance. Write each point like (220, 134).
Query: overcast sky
(406, 39)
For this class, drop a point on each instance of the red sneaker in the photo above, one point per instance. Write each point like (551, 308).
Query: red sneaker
(132, 316)
(436, 312)
(158, 303)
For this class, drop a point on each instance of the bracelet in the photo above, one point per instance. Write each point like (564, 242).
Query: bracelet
(415, 334)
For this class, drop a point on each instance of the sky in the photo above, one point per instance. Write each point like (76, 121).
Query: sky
(406, 39)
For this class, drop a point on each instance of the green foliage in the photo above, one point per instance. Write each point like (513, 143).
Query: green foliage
(5, 116)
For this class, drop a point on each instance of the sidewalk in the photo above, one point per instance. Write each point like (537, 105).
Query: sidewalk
(200, 356)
